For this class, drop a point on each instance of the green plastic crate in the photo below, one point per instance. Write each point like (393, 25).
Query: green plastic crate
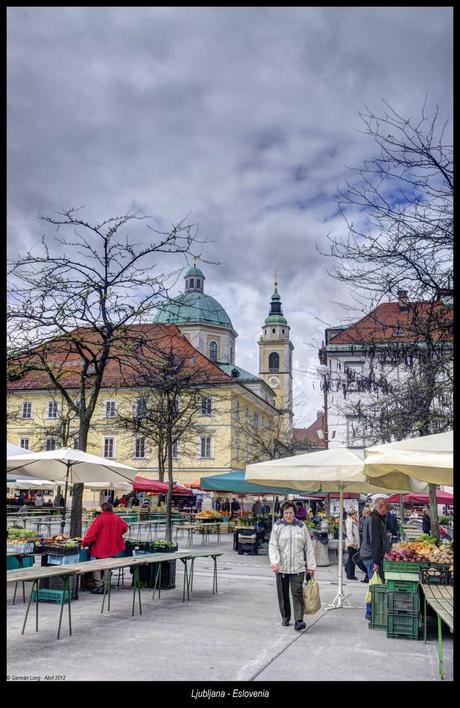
(403, 625)
(403, 601)
(51, 596)
(400, 567)
(402, 586)
(378, 607)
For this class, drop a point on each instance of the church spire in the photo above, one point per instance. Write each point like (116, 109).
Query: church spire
(275, 316)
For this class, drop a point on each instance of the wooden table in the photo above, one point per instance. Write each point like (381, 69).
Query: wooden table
(441, 599)
(106, 564)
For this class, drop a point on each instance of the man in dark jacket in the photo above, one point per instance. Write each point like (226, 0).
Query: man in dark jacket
(426, 521)
(375, 542)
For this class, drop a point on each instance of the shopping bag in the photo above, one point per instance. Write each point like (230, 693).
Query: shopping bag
(311, 598)
(375, 580)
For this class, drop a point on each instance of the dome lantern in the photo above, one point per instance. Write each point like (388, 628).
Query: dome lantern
(194, 280)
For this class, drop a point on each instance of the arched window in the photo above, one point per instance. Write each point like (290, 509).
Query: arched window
(213, 351)
(274, 363)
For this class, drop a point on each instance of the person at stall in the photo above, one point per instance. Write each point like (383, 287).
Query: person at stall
(257, 508)
(265, 511)
(105, 539)
(235, 507)
(38, 499)
(21, 499)
(357, 560)
(392, 527)
(135, 501)
(301, 511)
(289, 547)
(49, 502)
(351, 543)
(426, 521)
(375, 542)
(225, 506)
(217, 504)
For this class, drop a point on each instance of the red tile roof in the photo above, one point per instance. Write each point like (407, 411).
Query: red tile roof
(381, 325)
(143, 340)
(308, 435)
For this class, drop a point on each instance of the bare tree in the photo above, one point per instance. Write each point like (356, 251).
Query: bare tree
(398, 210)
(69, 306)
(173, 382)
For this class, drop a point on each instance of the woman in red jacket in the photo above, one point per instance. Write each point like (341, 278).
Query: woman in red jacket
(105, 536)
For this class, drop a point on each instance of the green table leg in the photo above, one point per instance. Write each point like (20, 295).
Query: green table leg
(441, 656)
(190, 578)
(214, 579)
(107, 589)
(157, 583)
(66, 593)
(424, 619)
(34, 586)
(185, 583)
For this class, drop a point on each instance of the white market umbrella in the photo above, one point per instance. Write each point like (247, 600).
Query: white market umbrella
(336, 469)
(30, 483)
(122, 486)
(14, 449)
(70, 466)
(428, 458)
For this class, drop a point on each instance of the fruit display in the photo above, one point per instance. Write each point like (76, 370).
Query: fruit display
(60, 542)
(205, 515)
(431, 551)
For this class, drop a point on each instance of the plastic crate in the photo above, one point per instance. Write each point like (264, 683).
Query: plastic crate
(402, 586)
(445, 576)
(57, 583)
(403, 601)
(57, 550)
(378, 607)
(20, 547)
(63, 560)
(403, 625)
(400, 567)
(51, 596)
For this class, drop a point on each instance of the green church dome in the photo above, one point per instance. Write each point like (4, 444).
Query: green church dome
(193, 307)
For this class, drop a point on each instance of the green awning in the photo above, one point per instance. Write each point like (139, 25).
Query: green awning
(235, 482)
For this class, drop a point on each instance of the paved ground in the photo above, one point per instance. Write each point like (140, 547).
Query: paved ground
(235, 635)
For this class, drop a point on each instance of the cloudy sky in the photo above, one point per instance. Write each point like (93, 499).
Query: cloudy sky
(245, 119)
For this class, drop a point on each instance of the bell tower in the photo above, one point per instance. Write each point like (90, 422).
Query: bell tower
(275, 359)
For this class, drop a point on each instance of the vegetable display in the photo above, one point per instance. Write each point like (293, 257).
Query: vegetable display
(427, 549)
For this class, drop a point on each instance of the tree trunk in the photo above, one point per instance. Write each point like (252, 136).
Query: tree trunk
(433, 510)
(161, 462)
(77, 494)
(170, 486)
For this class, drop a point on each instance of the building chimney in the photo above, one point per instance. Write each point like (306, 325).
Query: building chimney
(403, 300)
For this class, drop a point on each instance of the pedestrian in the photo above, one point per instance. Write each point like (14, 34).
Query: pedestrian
(351, 543)
(21, 500)
(217, 504)
(105, 538)
(290, 550)
(225, 506)
(375, 542)
(357, 560)
(426, 521)
(39, 500)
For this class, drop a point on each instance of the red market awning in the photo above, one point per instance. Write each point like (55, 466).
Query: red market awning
(143, 484)
(441, 497)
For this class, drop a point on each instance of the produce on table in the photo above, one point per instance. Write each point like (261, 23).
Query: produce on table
(422, 551)
(205, 515)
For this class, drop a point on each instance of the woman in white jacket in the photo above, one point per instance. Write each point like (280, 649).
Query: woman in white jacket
(291, 551)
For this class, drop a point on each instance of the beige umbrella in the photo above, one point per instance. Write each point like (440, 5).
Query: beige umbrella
(70, 465)
(428, 458)
(336, 469)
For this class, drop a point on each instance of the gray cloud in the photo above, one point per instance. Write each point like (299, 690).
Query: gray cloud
(244, 118)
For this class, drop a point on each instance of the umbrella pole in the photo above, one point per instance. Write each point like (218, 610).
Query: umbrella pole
(339, 599)
(65, 497)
